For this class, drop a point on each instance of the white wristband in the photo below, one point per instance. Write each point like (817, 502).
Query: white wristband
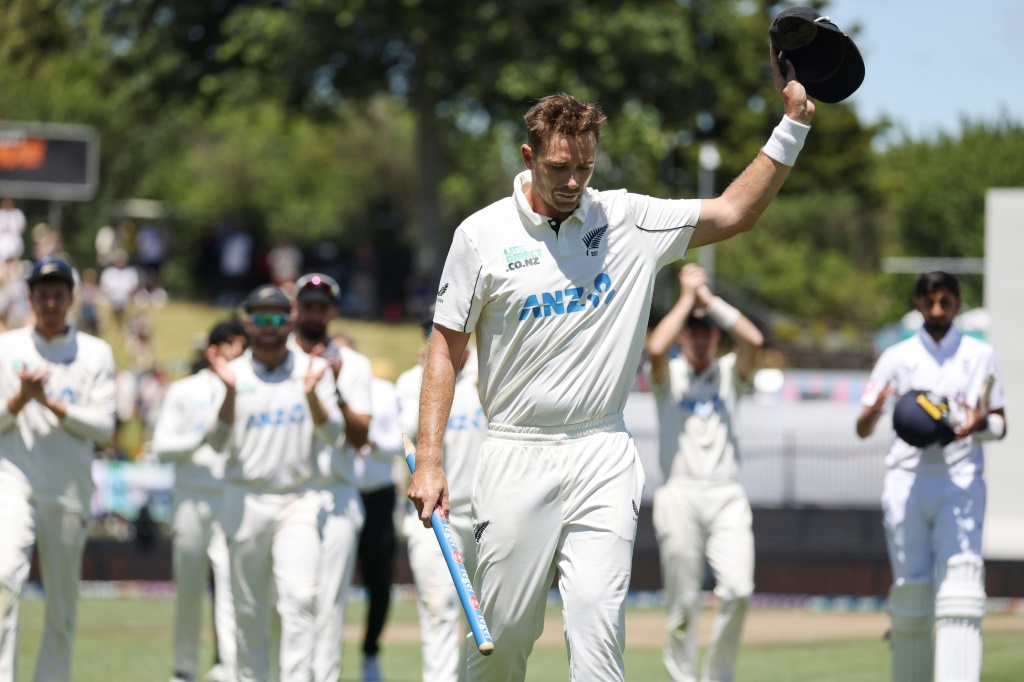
(722, 313)
(786, 141)
(994, 429)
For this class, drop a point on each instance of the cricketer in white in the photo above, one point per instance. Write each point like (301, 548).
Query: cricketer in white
(933, 498)
(188, 411)
(702, 511)
(279, 412)
(56, 404)
(442, 624)
(556, 282)
(342, 515)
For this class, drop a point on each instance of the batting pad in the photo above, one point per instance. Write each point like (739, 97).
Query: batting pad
(961, 588)
(910, 606)
(959, 608)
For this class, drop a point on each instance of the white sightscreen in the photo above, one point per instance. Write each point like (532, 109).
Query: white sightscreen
(1004, 298)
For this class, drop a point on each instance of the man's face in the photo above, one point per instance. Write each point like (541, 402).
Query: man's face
(229, 350)
(939, 308)
(50, 301)
(313, 318)
(561, 171)
(269, 328)
(699, 344)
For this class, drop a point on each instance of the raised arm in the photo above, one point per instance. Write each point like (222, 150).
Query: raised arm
(743, 202)
(429, 485)
(691, 278)
(745, 335)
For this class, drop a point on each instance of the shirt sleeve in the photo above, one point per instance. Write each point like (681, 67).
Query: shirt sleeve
(93, 418)
(174, 439)
(385, 431)
(327, 391)
(665, 225)
(882, 375)
(354, 383)
(460, 296)
(408, 388)
(988, 368)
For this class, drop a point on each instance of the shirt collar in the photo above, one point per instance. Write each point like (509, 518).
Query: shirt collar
(59, 341)
(282, 369)
(944, 346)
(523, 204)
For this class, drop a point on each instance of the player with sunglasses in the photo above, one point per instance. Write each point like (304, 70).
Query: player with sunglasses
(345, 510)
(278, 416)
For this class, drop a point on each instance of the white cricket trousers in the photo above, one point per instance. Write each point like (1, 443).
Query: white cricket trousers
(443, 626)
(933, 527)
(556, 498)
(199, 543)
(341, 519)
(59, 535)
(693, 522)
(273, 544)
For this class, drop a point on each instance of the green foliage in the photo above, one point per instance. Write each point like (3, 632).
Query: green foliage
(327, 118)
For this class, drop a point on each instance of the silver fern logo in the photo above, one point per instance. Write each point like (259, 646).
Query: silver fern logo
(592, 240)
(440, 292)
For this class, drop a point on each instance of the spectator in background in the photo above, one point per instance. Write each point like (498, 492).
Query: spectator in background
(236, 256)
(106, 244)
(45, 242)
(118, 283)
(12, 232)
(361, 295)
(88, 316)
(285, 262)
(151, 251)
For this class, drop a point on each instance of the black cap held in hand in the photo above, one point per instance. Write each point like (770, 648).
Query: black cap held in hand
(826, 61)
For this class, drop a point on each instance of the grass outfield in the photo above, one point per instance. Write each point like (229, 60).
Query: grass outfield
(129, 640)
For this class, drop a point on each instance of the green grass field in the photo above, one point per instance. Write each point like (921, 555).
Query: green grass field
(129, 640)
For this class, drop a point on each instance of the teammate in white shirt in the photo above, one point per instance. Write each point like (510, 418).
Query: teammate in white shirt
(279, 413)
(188, 408)
(556, 281)
(342, 517)
(56, 404)
(933, 497)
(442, 623)
(701, 511)
(12, 232)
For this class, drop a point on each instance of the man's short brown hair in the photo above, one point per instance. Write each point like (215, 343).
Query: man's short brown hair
(562, 115)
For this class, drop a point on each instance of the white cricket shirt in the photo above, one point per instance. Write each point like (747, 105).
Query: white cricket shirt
(273, 444)
(957, 368)
(54, 457)
(373, 468)
(464, 435)
(696, 420)
(353, 385)
(560, 317)
(187, 415)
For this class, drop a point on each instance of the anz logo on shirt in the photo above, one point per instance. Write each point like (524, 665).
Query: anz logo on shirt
(66, 395)
(570, 300)
(702, 408)
(466, 422)
(295, 415)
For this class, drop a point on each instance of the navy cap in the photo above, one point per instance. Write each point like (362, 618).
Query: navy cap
(922, 418)
(317, 286)
(826, 61)
(267, 296)
(52, 268)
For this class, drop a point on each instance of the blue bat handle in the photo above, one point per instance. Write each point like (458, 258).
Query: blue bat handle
(452, 557)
